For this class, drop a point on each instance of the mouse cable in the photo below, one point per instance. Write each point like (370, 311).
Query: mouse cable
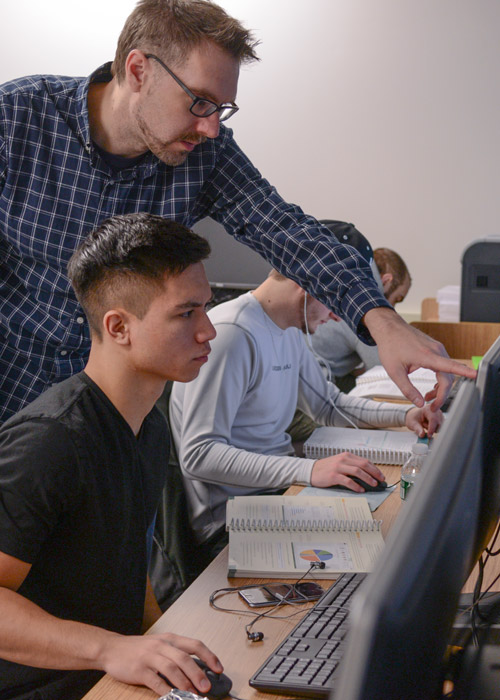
(391, 486)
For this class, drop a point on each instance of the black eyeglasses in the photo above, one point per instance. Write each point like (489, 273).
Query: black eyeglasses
(200, 107)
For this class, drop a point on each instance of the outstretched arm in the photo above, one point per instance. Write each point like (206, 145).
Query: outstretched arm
(403, 349)
(29, 635)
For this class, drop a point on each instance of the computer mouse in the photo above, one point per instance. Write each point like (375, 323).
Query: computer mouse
(380, 486)
(220, 683)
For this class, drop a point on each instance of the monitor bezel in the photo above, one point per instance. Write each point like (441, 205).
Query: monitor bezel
(488, 384)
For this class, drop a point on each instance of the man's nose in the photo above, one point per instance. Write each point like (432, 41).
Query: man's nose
(206, 331)
(209, 126)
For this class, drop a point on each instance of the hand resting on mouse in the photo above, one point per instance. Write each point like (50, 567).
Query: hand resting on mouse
(152, 658)
(220, 684)
(339, 470)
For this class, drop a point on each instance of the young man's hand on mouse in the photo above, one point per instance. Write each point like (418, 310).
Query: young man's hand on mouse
(140, 660)
(424, 421)
(337, 470)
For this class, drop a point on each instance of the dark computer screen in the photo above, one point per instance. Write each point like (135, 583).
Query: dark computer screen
(402, 616)
(231, 265)
(488, 383)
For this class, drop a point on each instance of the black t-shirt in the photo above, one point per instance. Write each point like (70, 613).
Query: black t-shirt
(78, 492)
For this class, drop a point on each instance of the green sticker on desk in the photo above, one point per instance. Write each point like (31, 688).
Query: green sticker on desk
(476, 359)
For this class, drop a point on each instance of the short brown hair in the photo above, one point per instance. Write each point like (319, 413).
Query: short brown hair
(388, 260)
(173, 28)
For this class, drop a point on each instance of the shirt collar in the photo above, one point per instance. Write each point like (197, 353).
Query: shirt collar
(103, 75)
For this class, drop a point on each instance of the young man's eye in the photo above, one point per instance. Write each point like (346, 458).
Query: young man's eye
(187, 314)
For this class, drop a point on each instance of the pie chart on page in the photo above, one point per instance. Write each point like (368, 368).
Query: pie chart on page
(316, 555)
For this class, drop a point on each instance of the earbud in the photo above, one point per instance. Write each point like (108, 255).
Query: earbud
(318, 564)
(255, 636)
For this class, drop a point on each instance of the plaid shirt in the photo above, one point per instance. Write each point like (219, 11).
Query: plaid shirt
(55, 188)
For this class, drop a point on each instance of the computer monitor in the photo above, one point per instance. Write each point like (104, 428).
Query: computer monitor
(401, 617)
(231, 265)
(488, 383)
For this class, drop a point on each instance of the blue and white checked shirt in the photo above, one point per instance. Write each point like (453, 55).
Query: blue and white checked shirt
(55, 188)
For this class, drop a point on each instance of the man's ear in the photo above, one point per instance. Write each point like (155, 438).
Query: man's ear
(137, 69)
(387, 278)
(116, 325)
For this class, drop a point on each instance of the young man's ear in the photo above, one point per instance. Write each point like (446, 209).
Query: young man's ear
(116, 325)
(387, 278)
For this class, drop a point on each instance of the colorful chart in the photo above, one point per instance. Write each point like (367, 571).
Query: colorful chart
(316, 555)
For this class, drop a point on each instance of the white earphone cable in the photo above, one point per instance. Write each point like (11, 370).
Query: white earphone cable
(323, 363)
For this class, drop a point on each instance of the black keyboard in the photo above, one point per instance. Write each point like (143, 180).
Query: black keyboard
(307, 662)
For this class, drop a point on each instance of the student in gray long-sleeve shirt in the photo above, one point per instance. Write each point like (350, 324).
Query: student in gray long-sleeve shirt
(229, 424)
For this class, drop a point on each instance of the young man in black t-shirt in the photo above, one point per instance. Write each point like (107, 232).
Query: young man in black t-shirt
(82, 469)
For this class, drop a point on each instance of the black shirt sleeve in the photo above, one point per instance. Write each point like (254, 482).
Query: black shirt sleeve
(39, 481)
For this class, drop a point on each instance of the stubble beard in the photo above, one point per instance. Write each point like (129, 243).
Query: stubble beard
(162, 150)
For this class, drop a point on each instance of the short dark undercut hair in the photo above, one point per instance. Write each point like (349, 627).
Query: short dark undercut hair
(125, 262)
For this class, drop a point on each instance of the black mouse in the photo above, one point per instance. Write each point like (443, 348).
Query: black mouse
(220, 683)
(380, 486)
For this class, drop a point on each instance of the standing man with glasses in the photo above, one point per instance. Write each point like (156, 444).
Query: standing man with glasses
(144, 134)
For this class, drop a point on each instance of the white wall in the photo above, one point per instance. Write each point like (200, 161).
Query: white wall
(385, 113)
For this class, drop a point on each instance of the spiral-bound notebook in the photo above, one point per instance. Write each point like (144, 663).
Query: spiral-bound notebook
(380, 446)
(280, 536)
(376, 383)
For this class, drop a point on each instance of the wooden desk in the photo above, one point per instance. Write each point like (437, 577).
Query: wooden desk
(462, 339)
(224, 633)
